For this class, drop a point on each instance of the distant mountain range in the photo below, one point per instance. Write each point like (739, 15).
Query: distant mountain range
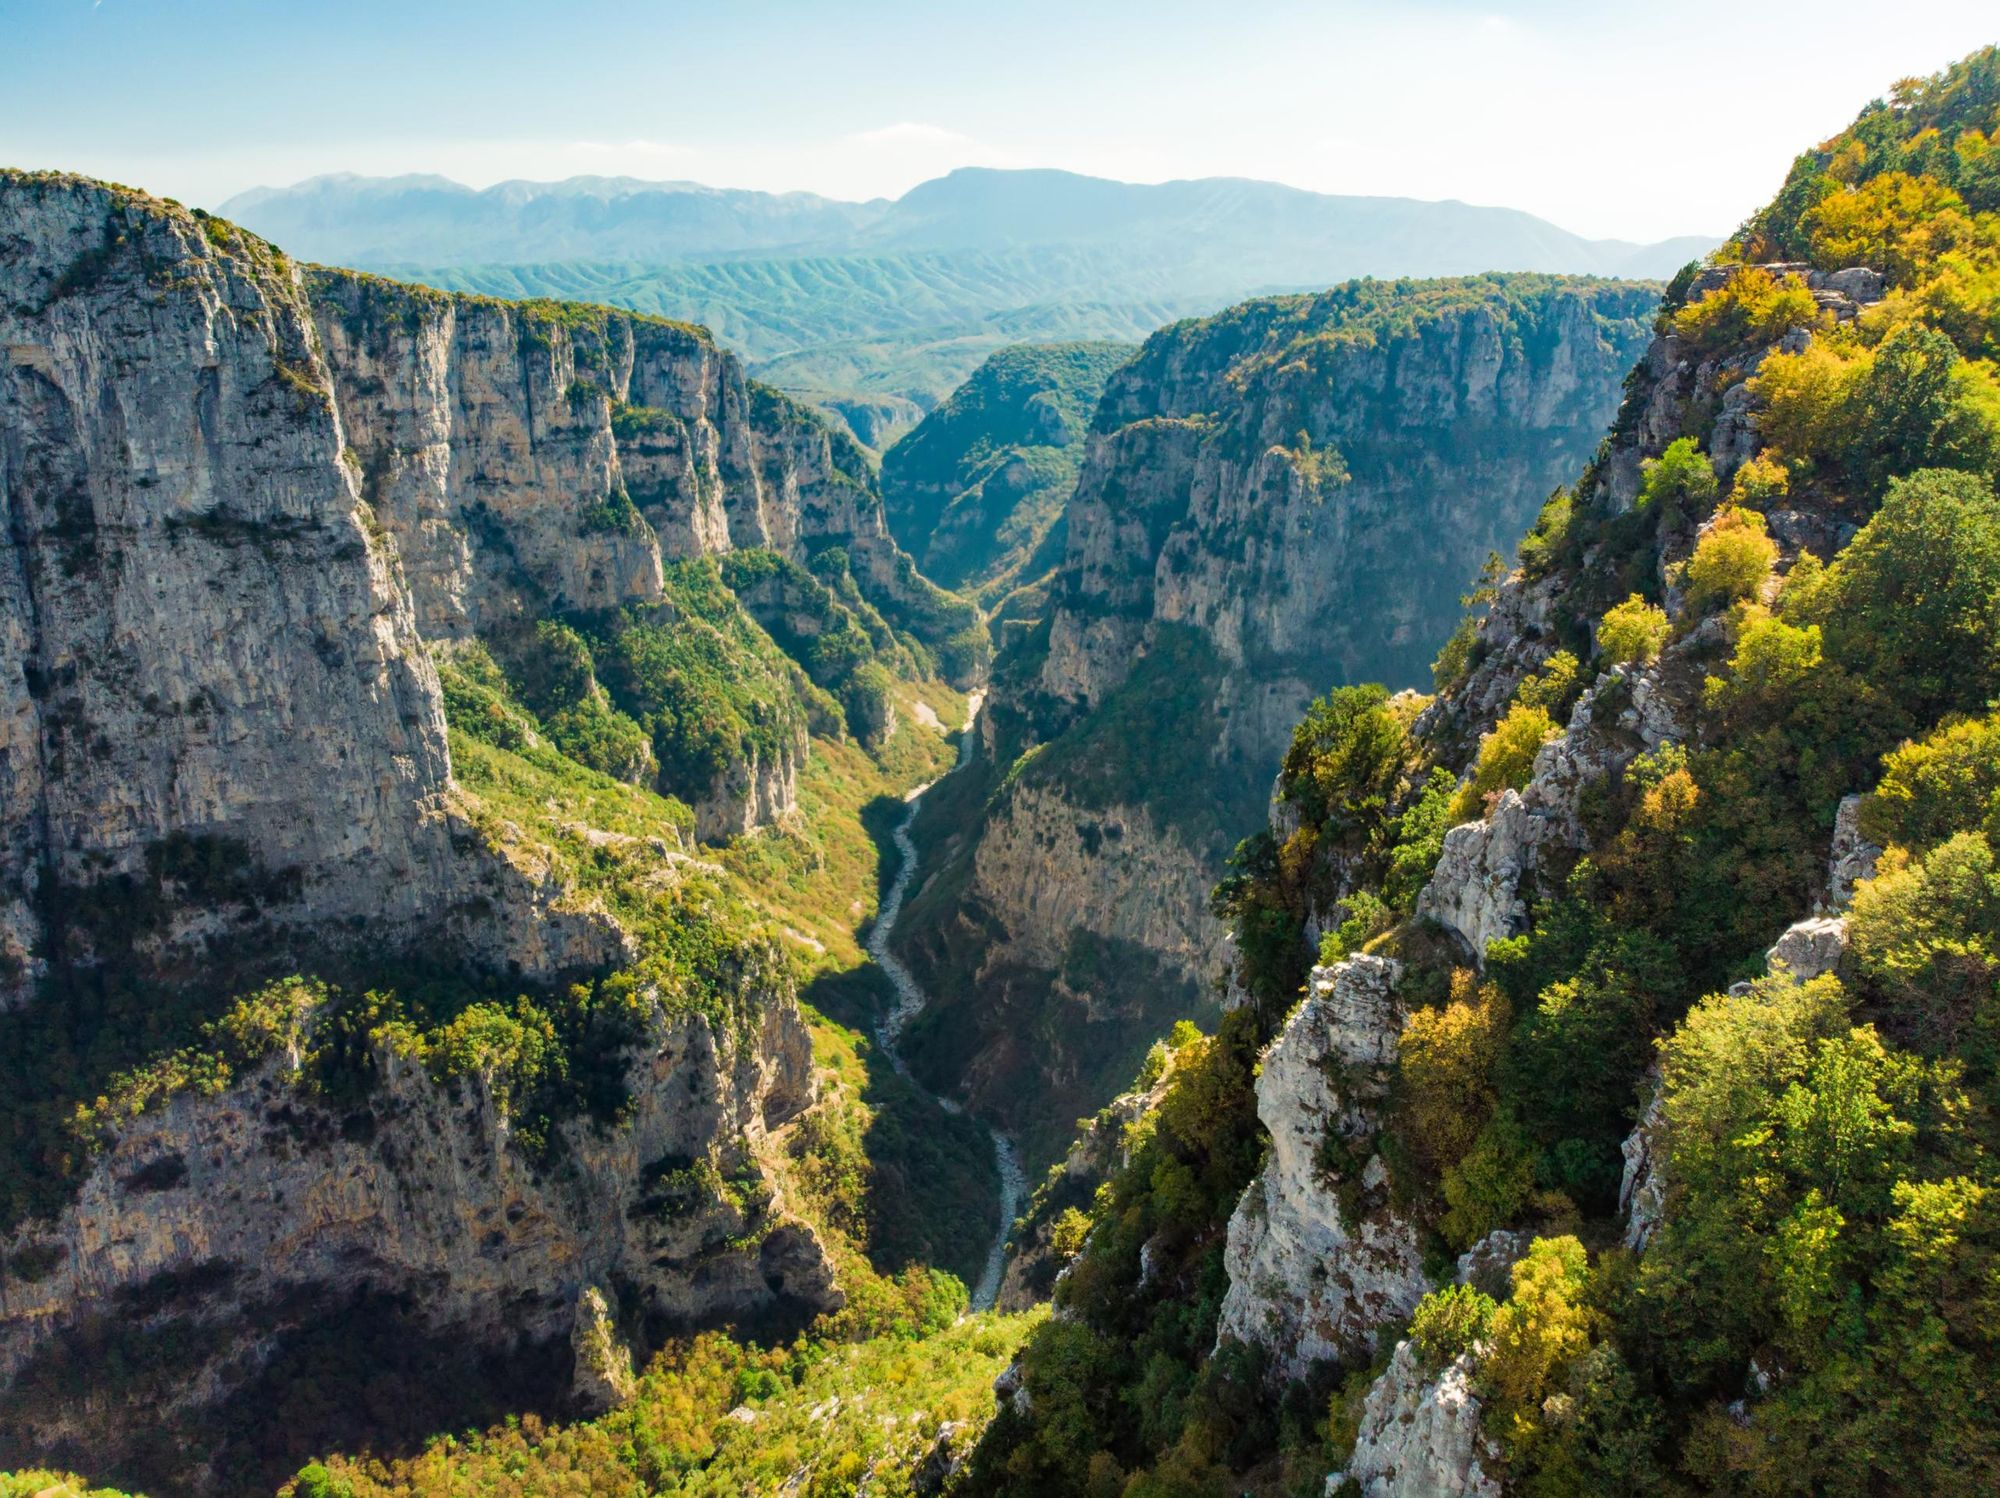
(899, 299)
(1219, 230)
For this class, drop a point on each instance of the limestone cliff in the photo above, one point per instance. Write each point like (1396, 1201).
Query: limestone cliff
(536, 456)
(1317, 1259)
(1285, 497)
(226, 1229)
(241, 499)
(248, 510)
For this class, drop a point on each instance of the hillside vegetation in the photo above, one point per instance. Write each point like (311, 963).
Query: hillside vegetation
(976, 492)
(1815, 596)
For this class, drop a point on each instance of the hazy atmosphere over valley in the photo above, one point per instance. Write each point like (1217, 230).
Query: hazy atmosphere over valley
(941, 751)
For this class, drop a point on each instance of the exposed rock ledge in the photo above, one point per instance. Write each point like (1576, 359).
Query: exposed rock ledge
(1305, 1282)
(261, 1191)
(1420, 1437)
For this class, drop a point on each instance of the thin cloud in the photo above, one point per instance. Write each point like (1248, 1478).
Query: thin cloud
(912, 133)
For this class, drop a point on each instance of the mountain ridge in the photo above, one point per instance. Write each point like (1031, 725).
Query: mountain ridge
(967, 208)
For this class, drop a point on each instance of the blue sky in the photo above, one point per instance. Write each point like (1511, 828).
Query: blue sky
(1630, 120)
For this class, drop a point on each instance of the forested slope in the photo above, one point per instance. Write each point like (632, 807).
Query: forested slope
(1638, 1205)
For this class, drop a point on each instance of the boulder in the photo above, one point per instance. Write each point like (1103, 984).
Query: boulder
(1809, 948)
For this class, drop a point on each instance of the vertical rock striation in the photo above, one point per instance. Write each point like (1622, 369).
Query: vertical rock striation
(1285, 497)
(1317, 1259)
(242, 502)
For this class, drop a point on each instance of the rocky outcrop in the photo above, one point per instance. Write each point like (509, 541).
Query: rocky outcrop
(1420, 1436)
(1291, 494)
(1487, 871)
(1642, 1190)
(1809, 948)
(1853, 857)
(1317, 1261)
(753, 791)
(602, 1376)
(228, 1217)
(241, 504)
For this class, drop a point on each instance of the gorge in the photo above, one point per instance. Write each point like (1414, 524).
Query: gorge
(1428, 921)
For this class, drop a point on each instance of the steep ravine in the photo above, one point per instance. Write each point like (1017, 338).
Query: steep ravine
(262, 525)
(910, 1002)
(1282, 498)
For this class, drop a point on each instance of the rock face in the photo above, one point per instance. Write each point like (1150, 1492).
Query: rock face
(1317, 1262)
(241, 499)
(240, 503)
(495, 441)
(1810, 948)
(1040, 867)
(603, 1364)
(204, 637)
(256, 1203)
(1199, 503)
(1289, 495)
(1853, 857)
(1642, 1190)
(1489, 868)
(1420, 1437)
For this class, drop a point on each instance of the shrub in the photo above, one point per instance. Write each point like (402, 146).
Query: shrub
(1419, 839)
(1759, 483)
(1896, 222)
(1345, 762)
(1730, 561)
(1554, 687)
(1506, 758)
(1679, 484)
(1926, 936)
(1769, 659)
(1549, 537)
(1544, 1326)
(1491, 1186)
(1366, 917)
(1945, 783)
(1867, 417)
(1632, 632)
(1751, 307)
(1917, 404)
(1454, 660)
(1913, 603)
(1445, 1068)
(1448, 1322)
(1801, 399)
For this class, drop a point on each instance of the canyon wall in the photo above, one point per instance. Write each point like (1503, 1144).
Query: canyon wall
(1283, 498)
(249, 507)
